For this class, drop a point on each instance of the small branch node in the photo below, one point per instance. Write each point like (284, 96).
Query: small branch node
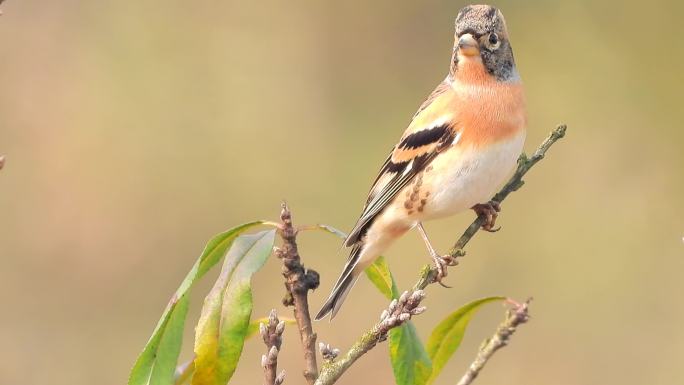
(329, 353)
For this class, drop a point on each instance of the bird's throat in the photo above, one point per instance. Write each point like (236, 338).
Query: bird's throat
(470, 70)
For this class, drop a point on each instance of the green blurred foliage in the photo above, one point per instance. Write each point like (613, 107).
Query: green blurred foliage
(123, 124)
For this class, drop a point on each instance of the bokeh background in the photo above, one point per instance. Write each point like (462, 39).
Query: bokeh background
(135, 130)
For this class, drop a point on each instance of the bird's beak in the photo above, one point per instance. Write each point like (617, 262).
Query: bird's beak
(467, 45)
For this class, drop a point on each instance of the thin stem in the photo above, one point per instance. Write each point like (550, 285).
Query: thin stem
(514, 318)
(399, 312)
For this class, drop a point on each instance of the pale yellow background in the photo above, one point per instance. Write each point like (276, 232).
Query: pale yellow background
(135, 130)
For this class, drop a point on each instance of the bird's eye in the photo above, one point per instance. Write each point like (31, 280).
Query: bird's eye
(493, 41)
(493, 38)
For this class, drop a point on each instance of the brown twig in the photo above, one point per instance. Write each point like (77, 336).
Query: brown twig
(298, 282)
(514, 317)
(399, 311)
(272, 334)
(330, 373)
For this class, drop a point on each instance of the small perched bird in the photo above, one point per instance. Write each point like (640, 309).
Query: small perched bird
(460, 146)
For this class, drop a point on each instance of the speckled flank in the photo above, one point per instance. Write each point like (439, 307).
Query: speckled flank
(412, 194)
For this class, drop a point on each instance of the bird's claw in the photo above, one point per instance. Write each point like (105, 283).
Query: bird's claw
(489, 211)
(441, 263)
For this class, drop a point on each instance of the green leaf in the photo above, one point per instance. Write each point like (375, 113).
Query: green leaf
(410, 361)
(157, 362)
(447, 336)
(379, 274)
(224, 322)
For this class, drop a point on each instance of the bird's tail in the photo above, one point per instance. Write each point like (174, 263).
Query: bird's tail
(343, 285)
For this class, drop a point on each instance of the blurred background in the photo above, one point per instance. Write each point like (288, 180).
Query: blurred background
(134, 131)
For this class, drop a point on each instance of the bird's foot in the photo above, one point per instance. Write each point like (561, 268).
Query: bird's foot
(441, 263)
(489, 211)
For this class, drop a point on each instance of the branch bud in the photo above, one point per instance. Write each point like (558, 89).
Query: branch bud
(280, 328)
(273, 354)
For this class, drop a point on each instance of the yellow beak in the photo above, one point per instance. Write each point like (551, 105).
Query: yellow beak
(468, 46)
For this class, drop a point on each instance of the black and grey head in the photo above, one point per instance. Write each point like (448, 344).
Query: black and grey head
(487, 27)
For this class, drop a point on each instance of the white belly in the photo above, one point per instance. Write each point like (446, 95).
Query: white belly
(464, 177)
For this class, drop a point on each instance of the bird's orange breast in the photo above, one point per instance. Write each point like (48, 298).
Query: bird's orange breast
(489, 113)
(487, 110)
(483, 109)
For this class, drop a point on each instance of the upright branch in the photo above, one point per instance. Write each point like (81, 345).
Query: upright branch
(330, 373)
(298, 282)
(514, 317)
(272, 334)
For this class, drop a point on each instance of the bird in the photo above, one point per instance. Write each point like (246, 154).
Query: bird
(459, 147)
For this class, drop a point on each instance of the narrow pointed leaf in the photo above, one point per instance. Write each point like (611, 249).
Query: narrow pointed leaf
(170, 345)
(379, 274)
(224, 322)
(157, 362)
(448, 334)
(410, 361)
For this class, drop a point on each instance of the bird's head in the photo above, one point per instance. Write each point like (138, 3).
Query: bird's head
(481, 39)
